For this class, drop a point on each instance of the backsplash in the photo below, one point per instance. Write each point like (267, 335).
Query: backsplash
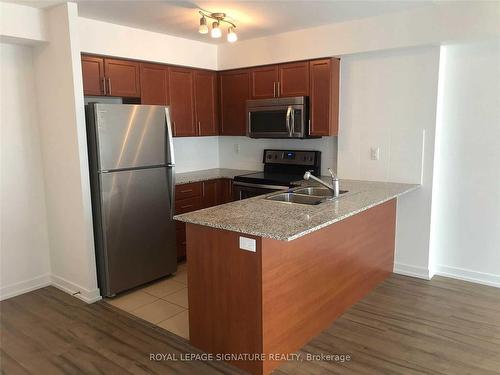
(246, 153)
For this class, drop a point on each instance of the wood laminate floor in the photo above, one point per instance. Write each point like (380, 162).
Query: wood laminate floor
(405, 326)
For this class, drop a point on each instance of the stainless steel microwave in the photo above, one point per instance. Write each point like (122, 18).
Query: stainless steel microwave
(278, 118)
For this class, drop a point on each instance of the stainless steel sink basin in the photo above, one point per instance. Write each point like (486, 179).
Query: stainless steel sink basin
(317, 191)
(296, 198)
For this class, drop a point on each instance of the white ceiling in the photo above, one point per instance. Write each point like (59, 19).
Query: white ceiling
(253, 18)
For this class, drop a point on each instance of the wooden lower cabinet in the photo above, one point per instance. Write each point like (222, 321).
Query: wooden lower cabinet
(195, 196)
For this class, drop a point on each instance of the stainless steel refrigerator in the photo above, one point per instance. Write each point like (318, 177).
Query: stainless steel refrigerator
(132, 178)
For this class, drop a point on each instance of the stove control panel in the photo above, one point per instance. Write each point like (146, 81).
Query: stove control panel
(291, 157)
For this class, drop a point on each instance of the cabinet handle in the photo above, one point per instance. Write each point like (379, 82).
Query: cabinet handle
(199, 127)
(187, 206)
(186, 191)
(274, 89)
(278, 84)
(104, 85)
(109, 86)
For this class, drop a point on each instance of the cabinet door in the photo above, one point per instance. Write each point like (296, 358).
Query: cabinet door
(154, 84)
(226, 190)
(205, 93)
(180, 237)
(182, 101)
(122, 78)
(264, 82)
(324, 96)
(211, 193)
(234, 92)
(93, 75)
(294, 79)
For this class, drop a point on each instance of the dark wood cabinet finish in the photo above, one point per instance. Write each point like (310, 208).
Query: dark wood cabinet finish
(226, 190)
(324, 97)
(184, 191)
(93, 75)
(211, 193)
(182, 101)
(122, 78)
(264, 82)
(207, 103)
(294, 79)
(154, 84)
(205, 94)
(234, 90)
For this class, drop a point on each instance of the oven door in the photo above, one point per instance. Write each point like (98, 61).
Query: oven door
(283, 121)
(243, 190)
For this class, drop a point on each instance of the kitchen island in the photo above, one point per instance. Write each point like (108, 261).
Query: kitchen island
(264, 277)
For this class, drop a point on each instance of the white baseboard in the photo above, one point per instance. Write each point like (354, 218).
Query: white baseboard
(413, 271)
(26, 286)
(468, 275)
(89, 296)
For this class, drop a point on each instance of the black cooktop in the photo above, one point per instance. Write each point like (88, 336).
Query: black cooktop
(270, 178)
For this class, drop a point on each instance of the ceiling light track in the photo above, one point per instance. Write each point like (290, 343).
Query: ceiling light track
(218, 18)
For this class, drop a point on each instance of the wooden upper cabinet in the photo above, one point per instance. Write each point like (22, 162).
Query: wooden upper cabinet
(181, 95)
(294, 79)
(154, 84)
(324, 96)
(93, 75)
(122, 78)
(264, 82)
(234, 90)
(205, 94)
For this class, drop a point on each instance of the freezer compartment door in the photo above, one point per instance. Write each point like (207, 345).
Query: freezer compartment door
(130, 136)
(138, 232)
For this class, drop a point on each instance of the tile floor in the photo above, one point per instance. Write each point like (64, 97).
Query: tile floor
(164, 302)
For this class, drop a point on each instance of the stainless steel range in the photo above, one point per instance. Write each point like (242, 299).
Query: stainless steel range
(283, 169)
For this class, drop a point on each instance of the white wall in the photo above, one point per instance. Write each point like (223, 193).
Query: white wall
(388, 100)
(24, 243)
(250, 151)
(63, 138)
(431, 25)
(195, 153)
(465, 239)
(122, 41)
(22, 24)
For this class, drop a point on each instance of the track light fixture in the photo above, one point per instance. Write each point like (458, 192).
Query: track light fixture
(216, 31)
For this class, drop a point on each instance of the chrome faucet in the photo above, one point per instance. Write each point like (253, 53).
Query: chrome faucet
(334, 187)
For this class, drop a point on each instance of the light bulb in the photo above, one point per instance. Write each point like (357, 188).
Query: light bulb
(203, 29)
(216, 32)
(231, 35)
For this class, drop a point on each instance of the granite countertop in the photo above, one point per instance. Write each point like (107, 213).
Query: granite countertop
(208, 174)
(284, 221)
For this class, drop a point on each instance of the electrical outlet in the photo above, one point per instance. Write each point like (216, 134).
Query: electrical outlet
(375, 153)
(237, 148)
(248, 244)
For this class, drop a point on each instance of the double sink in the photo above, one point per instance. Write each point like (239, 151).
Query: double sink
(305, 195)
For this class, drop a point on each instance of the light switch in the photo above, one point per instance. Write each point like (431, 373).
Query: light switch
(375, 153)
(248, 244)
(237, 148)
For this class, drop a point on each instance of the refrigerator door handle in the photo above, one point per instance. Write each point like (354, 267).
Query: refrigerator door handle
(170, 141)
(171, 178)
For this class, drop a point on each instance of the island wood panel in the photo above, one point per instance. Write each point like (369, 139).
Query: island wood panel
(307, 283)
(224, 294)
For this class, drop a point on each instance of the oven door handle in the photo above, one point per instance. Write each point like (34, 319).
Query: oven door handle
(288, 115)
(260, 186)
